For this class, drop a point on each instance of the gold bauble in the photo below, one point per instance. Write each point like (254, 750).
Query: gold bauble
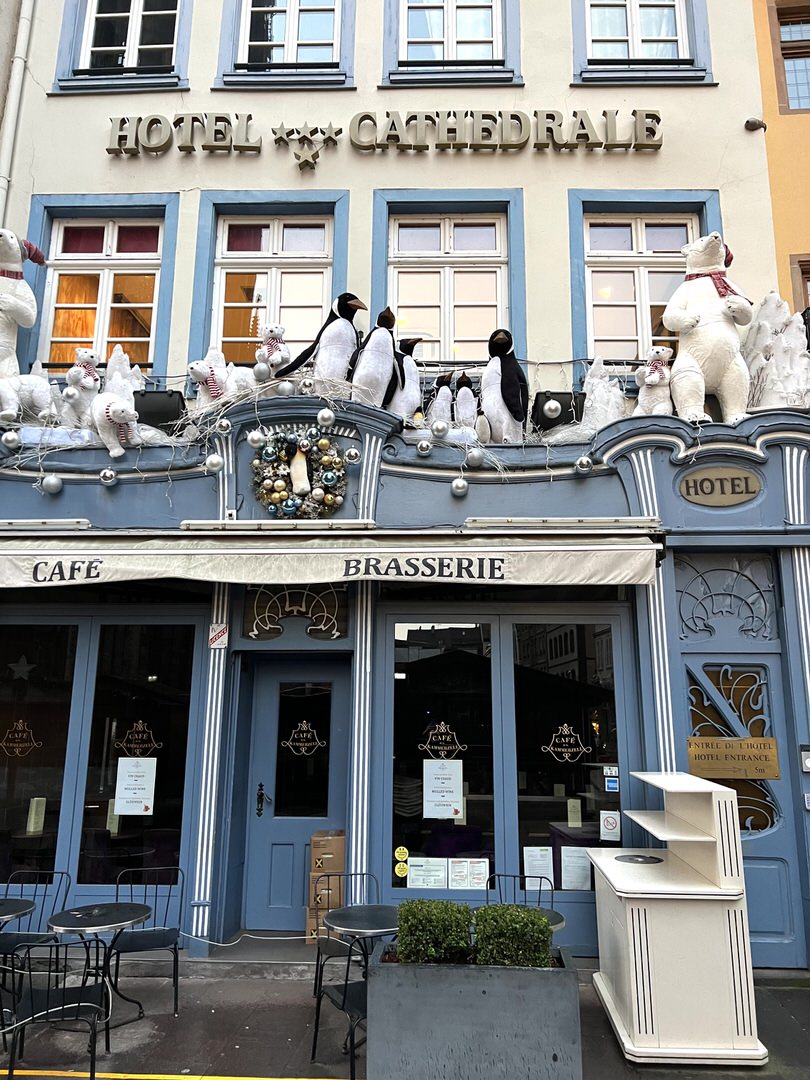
(326, 460)
(324, 444)
(275, 498)
(329, 500)
(338, 463)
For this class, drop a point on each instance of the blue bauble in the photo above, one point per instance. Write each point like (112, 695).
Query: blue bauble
(269, 454)
(289, 507)
(291, 437)
(329, 479)
(299, 503)
(313, 433)
(272, 510)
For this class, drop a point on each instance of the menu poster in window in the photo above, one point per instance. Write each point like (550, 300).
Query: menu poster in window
(537, 863)
(427, 873)
(442, 788)
(468, 873)
(135, 786)
(576, 868)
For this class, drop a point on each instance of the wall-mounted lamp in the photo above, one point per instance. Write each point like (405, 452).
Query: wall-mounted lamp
(753, 123)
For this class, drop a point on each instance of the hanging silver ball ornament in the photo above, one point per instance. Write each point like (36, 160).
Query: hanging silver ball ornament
(11, 440)
(307, 386)
(318, 494)
(224, 426)
(70, 393)
(583, 465)
(551, 408)
(338, 500)
(423, 448)
(352, 456)
(440, 429)
(214, 463)
(459, 487)
(304, 445)
(256, 439)
(285, 389)
(51, 484)
(108, 477)
(475, 457)
(326, 418)
(261, 371)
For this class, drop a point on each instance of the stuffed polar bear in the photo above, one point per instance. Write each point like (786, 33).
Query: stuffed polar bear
(83, 383)
(115, 420)
(654, 398)
(706, 311)
(27, 398)
(272, 350)
(18, 307)
(211, 375)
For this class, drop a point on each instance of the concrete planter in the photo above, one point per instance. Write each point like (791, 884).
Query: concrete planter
(465, 1022)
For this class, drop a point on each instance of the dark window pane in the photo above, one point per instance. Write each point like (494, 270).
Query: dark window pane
(138, 238)
(248, 238)
(302, 751)
(83, 239)
(267, 26)
(110, 32)
(111, 7)
(103, 60)
(140, 710)
(36, 681)
(157, 30)
(155, 57)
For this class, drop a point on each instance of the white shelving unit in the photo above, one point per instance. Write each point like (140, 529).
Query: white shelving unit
(674, 955)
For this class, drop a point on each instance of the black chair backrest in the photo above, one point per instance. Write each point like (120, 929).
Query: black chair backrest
(51, 975)
(161, 887)
(341, 890)
(47, 888)
(517, 889)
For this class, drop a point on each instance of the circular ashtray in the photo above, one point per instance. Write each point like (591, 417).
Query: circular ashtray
(645, 860)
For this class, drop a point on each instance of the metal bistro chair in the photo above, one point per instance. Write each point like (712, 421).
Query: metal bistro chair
(57, 984)
(509, 886)
(49, 890)
(161, 887)
(337, 891)
(351, 997)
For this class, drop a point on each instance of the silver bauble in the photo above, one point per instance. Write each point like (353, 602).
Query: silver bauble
(551, 408)
(352, 456)
(338, 500)
(318, 494)
(256, 439)
(108, 477)
(475, 457)
(307, 386)
(459, 487)
(285, 388)
(440, 429)
(326, 418)
(223, 426)
(52, 484)
(70, 393)
(423, 448)
(261, 371)
(583, 465)
(214, 463)
(11, 440)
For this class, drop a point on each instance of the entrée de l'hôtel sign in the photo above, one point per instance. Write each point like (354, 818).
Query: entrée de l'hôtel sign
(478, 129)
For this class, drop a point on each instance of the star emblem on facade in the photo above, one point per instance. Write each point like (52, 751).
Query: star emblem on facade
(307, 134)
(22, 669)
(307, 156)
(282, 134)
(330, 134)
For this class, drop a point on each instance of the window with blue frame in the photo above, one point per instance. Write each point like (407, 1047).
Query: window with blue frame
(123, 45)
(296, 43)
(430, 42)
(630, 41)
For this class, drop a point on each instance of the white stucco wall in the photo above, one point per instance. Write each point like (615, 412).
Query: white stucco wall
(62, 139)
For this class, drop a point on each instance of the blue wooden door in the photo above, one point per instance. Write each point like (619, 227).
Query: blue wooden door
(297, 786)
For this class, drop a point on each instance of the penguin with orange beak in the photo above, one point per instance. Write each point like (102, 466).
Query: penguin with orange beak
(333, 346)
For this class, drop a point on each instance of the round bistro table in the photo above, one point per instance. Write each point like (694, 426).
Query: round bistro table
(14, 909)
(100, 919)
(363, 920)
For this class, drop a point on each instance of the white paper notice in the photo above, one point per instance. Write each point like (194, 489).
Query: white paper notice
(610, 825)
(468, 873)
(479, 873)
(135, 786)
(442, 788)
(113, 820)
(574, 813)
(537, 863)
(576, 868)
(36, 816)
(427, 873)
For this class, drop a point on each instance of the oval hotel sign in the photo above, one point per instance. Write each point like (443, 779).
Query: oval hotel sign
(719, 485)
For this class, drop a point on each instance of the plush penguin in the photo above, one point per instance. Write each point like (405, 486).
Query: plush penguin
(373, 367)
(441, 405)
(504, 390)
(334, 345)
(466, 403)
(406, 401)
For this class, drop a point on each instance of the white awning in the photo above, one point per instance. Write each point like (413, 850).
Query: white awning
(289, 560)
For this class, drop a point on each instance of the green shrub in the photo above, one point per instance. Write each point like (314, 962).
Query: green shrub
(434, 932)
(512, 936)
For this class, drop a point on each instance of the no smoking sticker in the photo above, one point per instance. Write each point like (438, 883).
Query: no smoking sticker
(610, 825)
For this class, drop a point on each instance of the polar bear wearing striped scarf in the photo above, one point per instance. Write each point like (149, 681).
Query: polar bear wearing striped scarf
(82, 384)
(114, 417)
(18, 306)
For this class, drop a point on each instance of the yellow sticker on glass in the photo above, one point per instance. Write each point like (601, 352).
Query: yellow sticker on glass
(401, 869)
(401, 854)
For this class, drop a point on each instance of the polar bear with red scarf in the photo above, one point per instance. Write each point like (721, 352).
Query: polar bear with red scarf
(705, 312)
(18, 306)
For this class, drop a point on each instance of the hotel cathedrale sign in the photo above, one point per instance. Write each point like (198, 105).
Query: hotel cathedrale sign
(476, 129)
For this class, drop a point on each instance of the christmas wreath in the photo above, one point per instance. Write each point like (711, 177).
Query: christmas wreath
(300, 474)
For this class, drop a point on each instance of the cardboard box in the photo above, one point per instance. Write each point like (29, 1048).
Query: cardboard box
(312, 923)
(327, 851)
(325, 893)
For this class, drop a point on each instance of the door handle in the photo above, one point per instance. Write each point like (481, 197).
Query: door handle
(261, 798)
